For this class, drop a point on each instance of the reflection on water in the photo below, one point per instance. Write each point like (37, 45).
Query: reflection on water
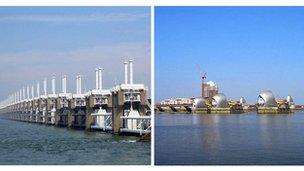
(273, 130)
(229, 139)
(209, 140)
(28, 143)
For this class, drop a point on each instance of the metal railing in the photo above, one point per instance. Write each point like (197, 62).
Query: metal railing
(139, 124)
(106, 121)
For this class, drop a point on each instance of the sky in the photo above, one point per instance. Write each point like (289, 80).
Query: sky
(39, 42)
(245, 50)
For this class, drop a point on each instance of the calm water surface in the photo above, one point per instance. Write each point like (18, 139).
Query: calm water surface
(183, 139)
(28, 143)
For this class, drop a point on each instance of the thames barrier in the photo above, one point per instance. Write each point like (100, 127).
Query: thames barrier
(122, 109)
(213, 102)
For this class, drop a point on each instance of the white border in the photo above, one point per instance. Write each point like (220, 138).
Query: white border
(152, 168)
(151, 2)
(152, 83)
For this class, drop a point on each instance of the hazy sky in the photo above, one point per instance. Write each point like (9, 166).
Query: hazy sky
(243, 49)
(41, 41)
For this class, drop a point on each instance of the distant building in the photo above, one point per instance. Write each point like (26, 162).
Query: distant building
(177, 101)
(167, 101)
(210, 89)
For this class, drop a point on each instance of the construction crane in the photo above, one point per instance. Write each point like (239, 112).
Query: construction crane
(204, 76)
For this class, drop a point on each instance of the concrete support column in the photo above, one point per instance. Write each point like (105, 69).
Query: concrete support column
(117, 112)
(79, 88)
(126, 72)
(18, 99)
(23, 93)
(131, 71)
(45, 87)
(77, 84)
(96, 79)
(38, 89)
(70, 117)
(32, 92)
(89, 118)
(100, 78)
(63, 84)
(28, 92)
(53, 85)
(20, 95)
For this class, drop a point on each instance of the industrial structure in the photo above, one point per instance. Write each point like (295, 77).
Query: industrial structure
(213, 102)
(267, 104)
(204, 77)
(210, 89)
(218, 104)
(122, 109)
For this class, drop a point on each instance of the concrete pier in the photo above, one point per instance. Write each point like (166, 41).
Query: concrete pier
(63, 110)
(274, 110)
(220, 111)
(232, 107)
(174, 108)
(267, 104)
(128, 100)
(99, 108)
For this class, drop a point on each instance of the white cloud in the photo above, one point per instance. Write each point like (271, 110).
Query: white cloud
(19, 69)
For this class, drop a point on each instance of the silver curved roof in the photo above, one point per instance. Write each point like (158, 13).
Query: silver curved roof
(289, 99)
(266, 99)
(199, 103)
(219, 101)
(242, 100)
